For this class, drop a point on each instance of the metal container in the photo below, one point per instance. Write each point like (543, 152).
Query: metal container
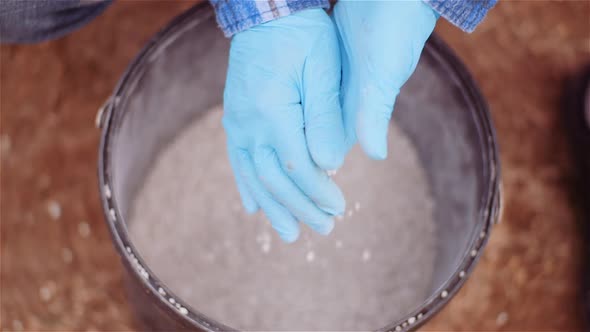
(456, 139)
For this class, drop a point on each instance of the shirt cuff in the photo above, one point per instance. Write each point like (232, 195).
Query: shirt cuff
(465, 14)
(234, 16)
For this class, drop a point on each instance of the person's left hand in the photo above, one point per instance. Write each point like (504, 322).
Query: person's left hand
(380, 43)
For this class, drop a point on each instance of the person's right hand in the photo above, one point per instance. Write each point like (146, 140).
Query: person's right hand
(381, 42)
(283, 120)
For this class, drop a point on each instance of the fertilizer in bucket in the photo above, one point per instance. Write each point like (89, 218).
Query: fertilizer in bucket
(414, 229)
(188, 223)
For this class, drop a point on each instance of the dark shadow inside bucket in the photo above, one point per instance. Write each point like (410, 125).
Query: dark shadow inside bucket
(184, 76)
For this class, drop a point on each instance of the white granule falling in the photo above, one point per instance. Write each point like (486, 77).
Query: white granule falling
(66, 255)
(502, 319)
(263, 237)
(84, 229)
(357, 206)
(264, 240)
(265, 247)
(54, 209)
(390, 241)
(47, 291)
(45, 294)
(366, 255)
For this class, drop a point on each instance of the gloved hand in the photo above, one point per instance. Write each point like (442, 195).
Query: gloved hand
(283, 120)
(381, 42)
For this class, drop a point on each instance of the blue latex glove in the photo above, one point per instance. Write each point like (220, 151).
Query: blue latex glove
(381, 42)
(283, 120)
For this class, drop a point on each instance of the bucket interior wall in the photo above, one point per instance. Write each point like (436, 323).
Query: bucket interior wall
(186, 75)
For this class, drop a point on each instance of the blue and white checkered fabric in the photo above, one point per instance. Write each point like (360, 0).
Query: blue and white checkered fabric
(236, 15)
(466, 14)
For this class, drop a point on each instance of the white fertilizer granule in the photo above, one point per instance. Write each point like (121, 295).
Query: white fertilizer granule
(375, 267)
(54, 210)
(310, 256)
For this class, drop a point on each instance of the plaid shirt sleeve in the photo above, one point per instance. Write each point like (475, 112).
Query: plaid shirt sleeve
(234, 16)
(466, 14)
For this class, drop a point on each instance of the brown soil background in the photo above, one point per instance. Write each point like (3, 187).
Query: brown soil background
(528, 278)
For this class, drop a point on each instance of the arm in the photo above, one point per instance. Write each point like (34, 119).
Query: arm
(234, 16)
(282, 115)
(41, 20)
(465, 14)
(368, 95)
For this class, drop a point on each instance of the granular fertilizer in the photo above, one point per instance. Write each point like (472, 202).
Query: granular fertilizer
(376, 266)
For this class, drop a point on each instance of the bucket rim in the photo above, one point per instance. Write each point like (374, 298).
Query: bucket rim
(190, 317)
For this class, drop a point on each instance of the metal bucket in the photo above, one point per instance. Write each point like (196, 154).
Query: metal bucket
(456, 139)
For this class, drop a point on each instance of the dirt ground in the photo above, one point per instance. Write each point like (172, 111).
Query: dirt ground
(60, 272)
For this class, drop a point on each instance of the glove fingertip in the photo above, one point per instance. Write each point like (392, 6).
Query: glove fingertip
(289, 237)
(334, 211)
(329, 159)
(337, 208)
(248, 201)
(325, 228)
(325, 136)
(372, 136)
(375, 150)
(372, 127)
(250, 206)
